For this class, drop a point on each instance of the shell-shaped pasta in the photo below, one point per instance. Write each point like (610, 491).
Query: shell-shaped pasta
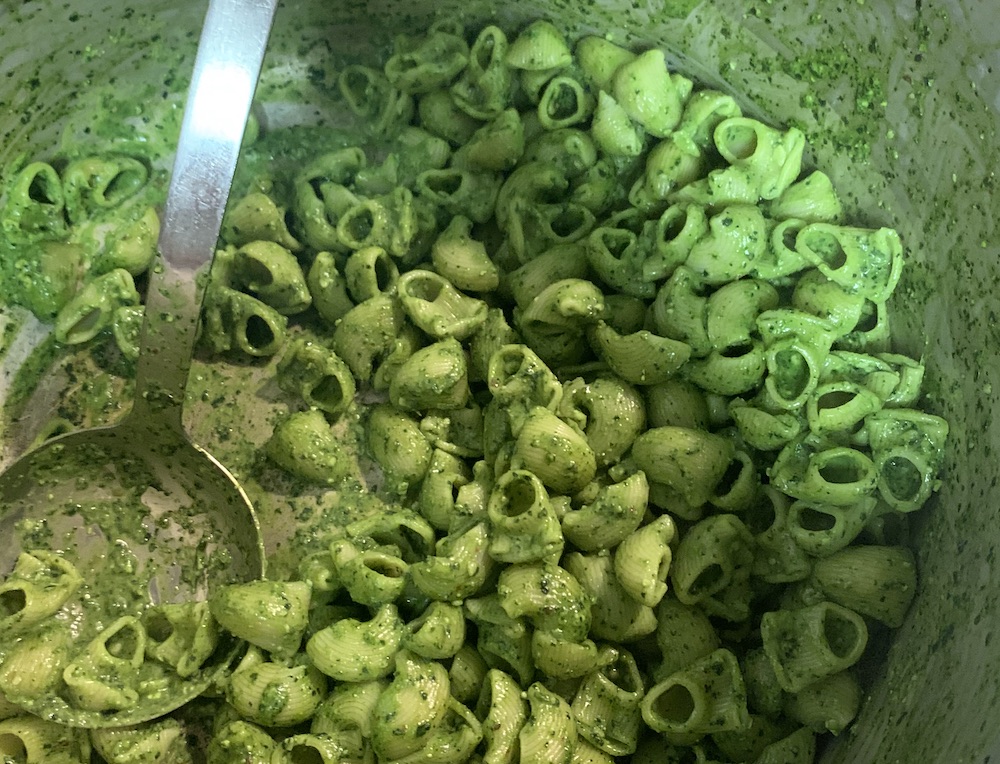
(484, 89)
(372, 577)
(548, 596)
(907, 447)
(350, 650)
(346, 716)
(275, 693)
(132, 246)
(503, 712)
(460, 570)
(364, 89)
(863, 261)
(555, 452)
(126, 325)
(812, 199)
(733, 309)
(182, 635)
(616, 616)
(272, 274)
(432, 62)
(684, 634)
(680, 311)
(92, 309)
(599, 59)
(105, 676)
(461, 192)
(96, 184)
(649, 93)
(441, 115)
(328, 288)
(828, 705)
(318, 375)
(606, 704)
(875, 581)
(523, 525)
(669, 166)
(529, 184)
(437, 633)
(494, 333)
(613, 130)
(40, 584)
(398, 445)
(549, 734)
(370, 271)
(159, 740)
(237, 320)
(464, 260)
(772, 158)
(32, 740)
(779, 558)
(414, 703)
(642, 561)
(438, 491)
(810, 643)
(323, 749)
(453, 741)
(538, 47)
(702, 113)
(241, 741)
(737, 236)
(730, 372)
(708, 696)
(409, 340)
(808, 469)
(564, 102)
(764, 430)
(503, 642)
(496, 146)
(740, 487)
(34, 663)
(434, 377)
(270, 614)
(467, 674)
(256, 217)
(781, 260)
(36, 204)
(367, 332)
(815, 293)
(304, 445)
(402, 531)
(434, 305)
(610, 412)
(691, 462)
(642, 358)
(615, 512)
(559, 658)
(713, 555)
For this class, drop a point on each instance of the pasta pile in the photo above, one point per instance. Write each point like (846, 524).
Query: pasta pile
(645, 441)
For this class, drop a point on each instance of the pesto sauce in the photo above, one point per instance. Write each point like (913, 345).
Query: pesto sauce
(855, 140)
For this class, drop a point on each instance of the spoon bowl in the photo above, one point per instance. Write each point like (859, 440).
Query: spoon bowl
(114, 536)
(144, 522)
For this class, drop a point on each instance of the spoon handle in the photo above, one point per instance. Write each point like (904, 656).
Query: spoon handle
(230, 54)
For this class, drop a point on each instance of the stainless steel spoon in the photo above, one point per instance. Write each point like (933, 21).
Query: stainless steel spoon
(146, 516)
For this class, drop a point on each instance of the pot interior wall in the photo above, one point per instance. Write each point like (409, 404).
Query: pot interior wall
(900, 104)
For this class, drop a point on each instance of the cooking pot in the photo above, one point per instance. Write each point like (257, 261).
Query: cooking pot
(899, 100)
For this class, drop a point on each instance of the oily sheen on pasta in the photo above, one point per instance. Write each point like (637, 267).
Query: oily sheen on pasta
(627, 381)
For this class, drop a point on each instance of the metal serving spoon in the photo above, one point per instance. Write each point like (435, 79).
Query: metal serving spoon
(145, 515)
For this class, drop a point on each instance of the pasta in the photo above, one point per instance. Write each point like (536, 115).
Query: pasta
(619, 375)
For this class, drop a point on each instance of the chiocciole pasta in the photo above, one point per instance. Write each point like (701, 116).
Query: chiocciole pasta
(627, 377)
